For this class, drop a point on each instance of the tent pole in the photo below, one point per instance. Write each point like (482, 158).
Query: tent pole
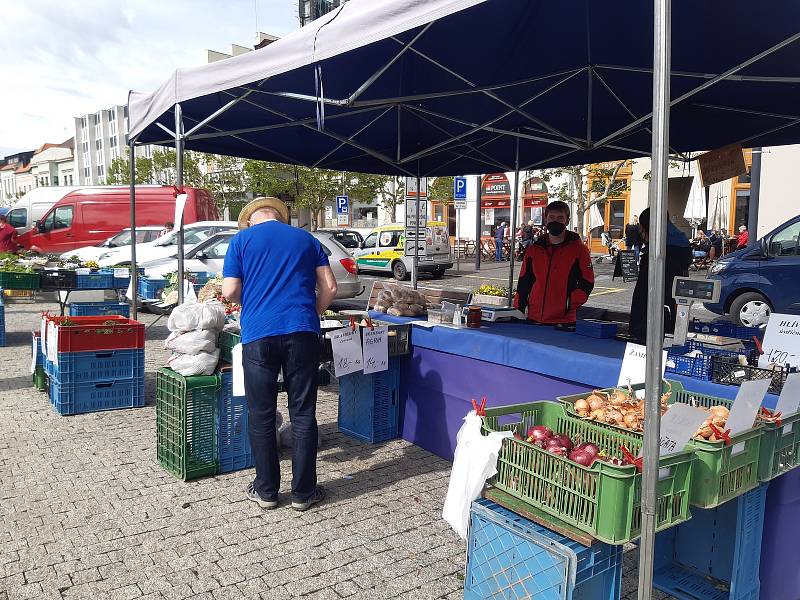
(513, 236)
(179, 142)
(662, 49)
(755, 194)
(479, 181)
(415, 265)
(134, 272)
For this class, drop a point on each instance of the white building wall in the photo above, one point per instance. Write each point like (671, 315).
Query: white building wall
(778, 200)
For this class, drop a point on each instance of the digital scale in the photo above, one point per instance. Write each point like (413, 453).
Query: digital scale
(493, 314)
(686, 292)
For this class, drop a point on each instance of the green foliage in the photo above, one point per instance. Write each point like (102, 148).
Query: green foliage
(441, 190)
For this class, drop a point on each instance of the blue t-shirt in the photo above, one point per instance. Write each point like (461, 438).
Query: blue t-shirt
(277, 264)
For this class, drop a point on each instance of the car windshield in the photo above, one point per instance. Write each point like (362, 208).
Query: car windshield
(123, 238)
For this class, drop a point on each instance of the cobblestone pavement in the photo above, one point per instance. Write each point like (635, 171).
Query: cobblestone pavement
(86, 511)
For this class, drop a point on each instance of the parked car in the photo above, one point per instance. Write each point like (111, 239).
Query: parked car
(384, 251)
(349, 238)
(760, 279)
(31, 206)
(87, 216)
(167, 244)
(148, 233)
(209, 256)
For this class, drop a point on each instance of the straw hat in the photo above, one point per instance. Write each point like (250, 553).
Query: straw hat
(260, 203)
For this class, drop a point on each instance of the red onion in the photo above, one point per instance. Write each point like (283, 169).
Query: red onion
(589, 448)
(565, 441)
(555, 449)
(540, 432)
(582, 457)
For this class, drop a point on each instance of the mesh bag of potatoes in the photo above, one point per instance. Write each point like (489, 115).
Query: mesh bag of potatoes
(400, 301)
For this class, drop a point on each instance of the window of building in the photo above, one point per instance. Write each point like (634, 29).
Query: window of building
(112, 115)
(99, 170)
(87, 172)
(98, 144)
(55, 179)
(113, 141)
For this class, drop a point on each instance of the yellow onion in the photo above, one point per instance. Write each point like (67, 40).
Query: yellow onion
(720, 412)
(596, 401)
(582, 406)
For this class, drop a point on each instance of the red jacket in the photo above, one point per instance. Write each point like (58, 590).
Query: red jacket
(554, 280)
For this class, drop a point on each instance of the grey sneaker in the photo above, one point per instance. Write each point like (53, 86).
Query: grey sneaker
(316, 497)
(253, 495)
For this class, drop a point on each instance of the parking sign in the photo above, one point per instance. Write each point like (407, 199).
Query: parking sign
(342, 205)
(459, 188)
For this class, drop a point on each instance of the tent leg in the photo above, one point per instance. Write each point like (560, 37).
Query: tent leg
(755, 194)
(479, 182)
(415, 265)
(513, 236)
(134, 272)
(655, 299)
(179, 145)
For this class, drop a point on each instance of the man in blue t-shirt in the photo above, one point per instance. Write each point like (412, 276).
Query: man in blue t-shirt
(281, 276)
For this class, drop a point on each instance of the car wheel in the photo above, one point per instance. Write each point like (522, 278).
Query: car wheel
(438, 273)
(750, 309)
(399, 271)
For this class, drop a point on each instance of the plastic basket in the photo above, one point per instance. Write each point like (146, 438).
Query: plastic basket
(727, 329)
(233, 440)
(58, 279)
(186, 441)
(603, 500)
(509, 556)
(700, 367)
(717, 555)
(151, 288)
(780, 447)
(721, 472)
(109, 332)
(12, 280)
(97, 366)
(95, 281)
(93, 309)
(727, 371)
(73, 399)
(226, 341)
(596, 329)
(369, 404)
(40, 379)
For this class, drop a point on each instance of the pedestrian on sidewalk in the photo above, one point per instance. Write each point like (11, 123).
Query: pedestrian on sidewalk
(633, 238)
(499, 237)
(273, 269)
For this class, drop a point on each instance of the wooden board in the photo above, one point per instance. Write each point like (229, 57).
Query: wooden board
(434, 296)
(538, 516)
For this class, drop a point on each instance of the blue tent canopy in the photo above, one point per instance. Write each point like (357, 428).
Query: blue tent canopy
(447, 85)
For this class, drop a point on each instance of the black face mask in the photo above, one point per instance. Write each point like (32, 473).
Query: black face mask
(555, 228)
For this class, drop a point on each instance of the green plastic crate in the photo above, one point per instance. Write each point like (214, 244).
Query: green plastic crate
(226, 341)
(40, 379)
(12, 280)
(780, 447)
(722, 472)
(186, 443)
(603, 500)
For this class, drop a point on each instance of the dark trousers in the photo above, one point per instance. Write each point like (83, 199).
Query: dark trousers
(298, 355)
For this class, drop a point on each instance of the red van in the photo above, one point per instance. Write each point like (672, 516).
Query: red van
(88, 216)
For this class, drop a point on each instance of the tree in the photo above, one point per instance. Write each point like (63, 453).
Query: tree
(391, 192)
(265, 178)
(119, 171)
(224, 178)
(441, 190)
(164, 168)
(317, 187)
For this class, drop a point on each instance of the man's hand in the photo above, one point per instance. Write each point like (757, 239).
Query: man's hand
(232, 289)
(326, 288)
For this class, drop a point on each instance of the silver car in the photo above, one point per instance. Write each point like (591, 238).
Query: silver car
(209, 256)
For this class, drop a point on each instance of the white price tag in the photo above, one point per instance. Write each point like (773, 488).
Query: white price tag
(376, 349)
(43, 335)
(120, 273)
(34, 349)
(52, 343)
(83, 271)
(238, 371)
(180, 203)
(634, 365)
(678, 426)
(789, 400)
(781, 341)
(745, 407)
(347, 357)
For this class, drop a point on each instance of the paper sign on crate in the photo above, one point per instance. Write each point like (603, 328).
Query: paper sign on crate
(33, 355)
(678, 426)
(376, 349)
(789, 400)
(746, 405)
(347, 356)
(634, 365)
(781, 341)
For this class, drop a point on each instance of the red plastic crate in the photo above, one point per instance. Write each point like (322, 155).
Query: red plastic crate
(107, 332)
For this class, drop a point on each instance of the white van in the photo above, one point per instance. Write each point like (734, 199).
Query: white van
(32, 206)
(384, 251)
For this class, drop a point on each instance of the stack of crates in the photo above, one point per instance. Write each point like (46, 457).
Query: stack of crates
(98, 365)
(509, 556)
(94, 309)
(39, 374)
(233, 441)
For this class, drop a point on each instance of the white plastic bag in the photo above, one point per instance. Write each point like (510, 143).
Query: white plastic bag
(191, 342)
(186, 317)
(474, 462)
(204, 363)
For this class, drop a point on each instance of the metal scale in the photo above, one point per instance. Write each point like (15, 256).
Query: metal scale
(687, 292)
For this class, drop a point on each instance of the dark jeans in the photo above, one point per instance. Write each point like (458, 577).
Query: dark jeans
(298, 355)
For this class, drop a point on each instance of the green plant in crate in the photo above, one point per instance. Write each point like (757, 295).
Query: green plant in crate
(492, 290)
(603, 499)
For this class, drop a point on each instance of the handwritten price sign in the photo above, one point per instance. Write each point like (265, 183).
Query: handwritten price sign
(376, 349)
(781, 341)
(678, 426)
(347, 357)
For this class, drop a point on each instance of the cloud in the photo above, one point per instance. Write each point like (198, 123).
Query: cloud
(65, 59)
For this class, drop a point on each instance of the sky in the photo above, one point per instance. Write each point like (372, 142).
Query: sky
(67, 58)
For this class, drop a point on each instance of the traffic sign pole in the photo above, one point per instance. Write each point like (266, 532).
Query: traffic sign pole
(460, 203)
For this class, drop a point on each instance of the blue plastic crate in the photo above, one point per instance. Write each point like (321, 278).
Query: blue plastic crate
(715, 555)
(509, 556)
(97, 366)
(73, 399)
(368, 404)
(2, 324)
(233, 441)
(151, 288)
(95, 281)
(89, 309)
(727, 329)
(700, 367)
(596, 329)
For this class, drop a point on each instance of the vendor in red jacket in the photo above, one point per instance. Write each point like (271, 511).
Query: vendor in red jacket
(556, 276)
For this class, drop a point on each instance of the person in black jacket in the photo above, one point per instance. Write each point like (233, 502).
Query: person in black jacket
(676, 264)
(633, 238)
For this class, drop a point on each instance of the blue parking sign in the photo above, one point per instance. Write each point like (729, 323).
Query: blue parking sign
(342, 205)
(459, 188)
